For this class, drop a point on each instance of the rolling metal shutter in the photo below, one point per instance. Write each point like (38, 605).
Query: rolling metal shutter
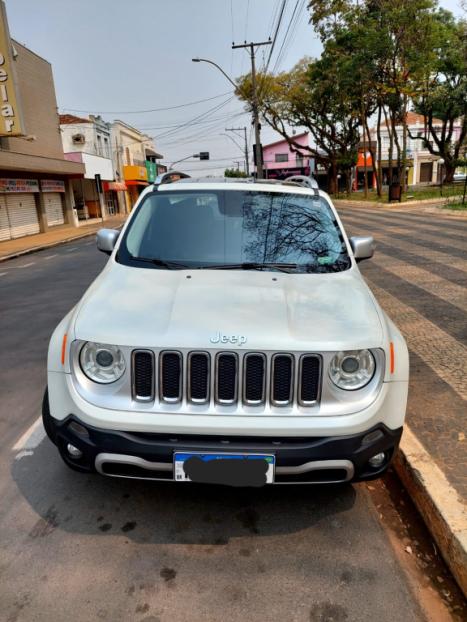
(53, 208)
(22, 214)
(5, 233)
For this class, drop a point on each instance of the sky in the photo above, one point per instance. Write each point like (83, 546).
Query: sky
(113, 57)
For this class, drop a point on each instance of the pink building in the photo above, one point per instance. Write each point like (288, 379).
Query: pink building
(281, 162)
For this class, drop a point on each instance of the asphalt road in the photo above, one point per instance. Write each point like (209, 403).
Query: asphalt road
(89, 548)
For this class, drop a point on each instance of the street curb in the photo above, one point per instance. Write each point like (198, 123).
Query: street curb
(442, 509)
(34, 249)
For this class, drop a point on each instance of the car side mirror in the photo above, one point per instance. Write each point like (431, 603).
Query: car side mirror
(363, 247)
(106, 240)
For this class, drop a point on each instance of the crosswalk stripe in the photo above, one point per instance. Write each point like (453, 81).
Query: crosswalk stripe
(444, 354)
(422, 234)
(426, 280)
(426, 253)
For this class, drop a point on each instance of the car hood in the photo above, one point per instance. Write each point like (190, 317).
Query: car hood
(201, 309)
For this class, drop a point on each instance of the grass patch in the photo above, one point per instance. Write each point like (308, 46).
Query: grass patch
(413, 194)
(455, 206)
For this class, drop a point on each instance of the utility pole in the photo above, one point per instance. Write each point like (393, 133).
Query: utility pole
(240, 129)
(258, 150)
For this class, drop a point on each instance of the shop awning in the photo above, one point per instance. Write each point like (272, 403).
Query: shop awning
(135, 182)
(114, 185)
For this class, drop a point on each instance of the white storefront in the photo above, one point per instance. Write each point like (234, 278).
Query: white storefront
(20, 201)
(18, 208)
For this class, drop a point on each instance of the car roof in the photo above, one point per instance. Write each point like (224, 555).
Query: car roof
(248, 184)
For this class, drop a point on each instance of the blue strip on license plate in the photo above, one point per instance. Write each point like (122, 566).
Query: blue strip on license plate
(229, 469)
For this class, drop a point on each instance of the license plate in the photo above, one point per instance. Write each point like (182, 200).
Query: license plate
(228, 469)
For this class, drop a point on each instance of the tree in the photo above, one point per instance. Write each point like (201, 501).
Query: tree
(234, 172)
(313, 96)
(393, 42)
(442, 94)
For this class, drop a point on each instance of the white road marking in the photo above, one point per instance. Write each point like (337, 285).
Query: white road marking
(3, 273)
(31, 439)
(69, 250)
(51, 256)
(26, 265)
(88, 243)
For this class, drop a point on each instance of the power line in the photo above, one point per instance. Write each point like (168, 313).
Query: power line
(276, 32)
(199, 101)
(198, 117)
(160, 127)
(289, 32)
(205, 132)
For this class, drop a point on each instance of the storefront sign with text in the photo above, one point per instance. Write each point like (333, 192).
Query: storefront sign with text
(11, 123)
(19, 185)
(52, 185)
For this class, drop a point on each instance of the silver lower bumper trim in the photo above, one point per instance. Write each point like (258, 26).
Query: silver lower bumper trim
(308, 467)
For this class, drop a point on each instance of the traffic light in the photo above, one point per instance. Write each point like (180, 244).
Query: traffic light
(204, 155)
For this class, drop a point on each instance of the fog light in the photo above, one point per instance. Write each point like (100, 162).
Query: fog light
(74, 451)
(377, 460)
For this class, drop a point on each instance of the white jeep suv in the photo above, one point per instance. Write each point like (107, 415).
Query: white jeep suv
(230, 339)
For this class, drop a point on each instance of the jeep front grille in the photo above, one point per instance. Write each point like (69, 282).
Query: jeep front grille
(226, 378)
(143, 375)
(309, 379)
(170, 376)
(198, 377)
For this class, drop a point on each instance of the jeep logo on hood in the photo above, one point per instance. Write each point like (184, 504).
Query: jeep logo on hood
(238, 340)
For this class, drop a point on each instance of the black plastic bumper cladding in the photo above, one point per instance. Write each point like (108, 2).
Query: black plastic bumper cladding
(288, 451)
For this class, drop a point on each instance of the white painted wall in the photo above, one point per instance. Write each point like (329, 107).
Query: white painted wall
(96, 165)
(91, 134)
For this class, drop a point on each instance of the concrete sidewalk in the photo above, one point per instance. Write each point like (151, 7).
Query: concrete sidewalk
(54, 237)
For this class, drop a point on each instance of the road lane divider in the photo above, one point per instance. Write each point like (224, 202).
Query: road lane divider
(31, 439)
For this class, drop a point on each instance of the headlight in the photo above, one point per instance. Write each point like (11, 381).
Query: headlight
(102, 363)
(352, 370)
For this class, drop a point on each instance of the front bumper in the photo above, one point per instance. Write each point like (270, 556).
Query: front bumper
(141, 455)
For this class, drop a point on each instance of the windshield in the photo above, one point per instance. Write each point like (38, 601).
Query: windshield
(234, 229)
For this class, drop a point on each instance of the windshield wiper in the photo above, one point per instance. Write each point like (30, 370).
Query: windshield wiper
(249, 265)
(170, 265)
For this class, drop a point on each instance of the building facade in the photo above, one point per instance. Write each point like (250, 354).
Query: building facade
(423, 168)
(35, 178)
(88, 140)
(134, 160)
(281, 162)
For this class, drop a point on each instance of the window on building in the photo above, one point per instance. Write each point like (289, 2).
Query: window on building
(128, 158)
(281, 157)
(106, 147)
(99, 144)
